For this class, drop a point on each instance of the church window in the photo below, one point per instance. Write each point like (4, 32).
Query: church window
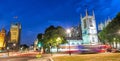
(90, 22)
(72, 43)
(14, 33)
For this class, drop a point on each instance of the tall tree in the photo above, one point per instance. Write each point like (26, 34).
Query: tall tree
(54, 36)
(111, 33)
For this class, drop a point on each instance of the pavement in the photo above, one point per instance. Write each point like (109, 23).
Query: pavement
(48, 57)
(16, 58)
(44, 57)
(13, 56)
(28, 57)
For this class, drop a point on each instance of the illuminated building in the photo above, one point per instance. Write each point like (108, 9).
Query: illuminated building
(15, 32)
(86, 34)
(74, 39)
(2, 39)
(89, 30)
(100, 26)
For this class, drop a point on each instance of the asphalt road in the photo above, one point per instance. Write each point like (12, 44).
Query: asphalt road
(25, 58)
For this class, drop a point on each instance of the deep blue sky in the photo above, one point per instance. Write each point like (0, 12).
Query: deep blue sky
(36, 15)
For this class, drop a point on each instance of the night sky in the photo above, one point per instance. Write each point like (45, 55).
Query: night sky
(36, 15)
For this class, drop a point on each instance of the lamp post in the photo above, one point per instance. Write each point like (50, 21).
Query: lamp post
(14, 46)
(68, 35)
(21, 48)
(50, 49)
(8, 50)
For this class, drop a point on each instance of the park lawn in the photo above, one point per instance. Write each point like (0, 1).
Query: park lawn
(90, 57)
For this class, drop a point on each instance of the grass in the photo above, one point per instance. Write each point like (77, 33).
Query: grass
(90, 57)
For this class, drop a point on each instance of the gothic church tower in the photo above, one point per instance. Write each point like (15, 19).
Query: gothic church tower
(89, 30)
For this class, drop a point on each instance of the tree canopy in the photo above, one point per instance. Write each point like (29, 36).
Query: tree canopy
(111, 32)
(53, 36)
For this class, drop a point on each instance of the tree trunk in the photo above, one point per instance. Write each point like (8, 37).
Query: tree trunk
(57, 48)
(116, 44)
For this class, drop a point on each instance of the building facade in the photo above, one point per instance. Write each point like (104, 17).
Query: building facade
(15, 32)
(2, 39)
(89, 30)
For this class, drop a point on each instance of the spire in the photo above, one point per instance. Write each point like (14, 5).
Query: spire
(109, 19)
(81, 16)
(101, 26)
(80, 19)
(86, 13)
(105, 23)
(3, 29)
(93, 14)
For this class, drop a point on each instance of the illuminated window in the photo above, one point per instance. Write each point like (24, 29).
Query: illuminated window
(14, 33)
(90, 22)
(73, 44)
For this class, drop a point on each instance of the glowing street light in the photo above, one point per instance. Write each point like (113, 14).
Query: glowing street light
(68, 35)
(14, 44)
(8, 50)
(68, 32)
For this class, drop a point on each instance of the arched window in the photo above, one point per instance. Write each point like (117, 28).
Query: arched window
(90, 22)
(73, 43)
(93, 40)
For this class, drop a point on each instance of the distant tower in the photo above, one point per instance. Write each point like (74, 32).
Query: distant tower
(15, 32)
(107, 21)
(100, 26)
(2, 39)
(89, 31)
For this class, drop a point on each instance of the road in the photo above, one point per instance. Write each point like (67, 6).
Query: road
(25, 58)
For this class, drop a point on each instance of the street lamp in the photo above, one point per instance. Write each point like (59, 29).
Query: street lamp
(8, 50)
(21, 48)
(68, 32)
(50, 49)
(68, 35)
(14, 46)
